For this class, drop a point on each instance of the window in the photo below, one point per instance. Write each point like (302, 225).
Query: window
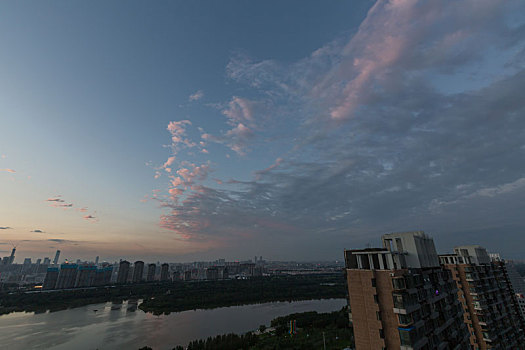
(404, 319)
(373, 282)
(378, 315)
(398, 283)
(405, 337)
(376, 299)
(398, 301)
(381, 334)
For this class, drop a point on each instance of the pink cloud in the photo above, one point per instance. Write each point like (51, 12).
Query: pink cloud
(240, 110)
(178, 131)
(169, 162)
(175, 191)
(89, 217)
(8, 170)
(277, 162)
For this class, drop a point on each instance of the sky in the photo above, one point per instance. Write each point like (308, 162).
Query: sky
(197, 130)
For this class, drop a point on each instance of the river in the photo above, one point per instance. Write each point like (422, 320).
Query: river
(123, 328)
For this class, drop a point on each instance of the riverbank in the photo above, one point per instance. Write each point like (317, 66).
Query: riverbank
(163, 298)
(310, 330)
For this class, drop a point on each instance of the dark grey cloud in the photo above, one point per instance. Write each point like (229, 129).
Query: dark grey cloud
(37, 231)
(412, 123)
(5, 228)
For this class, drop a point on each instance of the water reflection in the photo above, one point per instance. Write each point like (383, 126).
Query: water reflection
(126, 327)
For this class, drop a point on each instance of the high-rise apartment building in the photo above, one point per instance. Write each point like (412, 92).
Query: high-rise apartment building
(51, 278)
(401, 298)
(123, 272)
(520, 298)
(138, 271)
(68, 276)
(491, 310)
(86, 276)
(151, 272)
(165, 272)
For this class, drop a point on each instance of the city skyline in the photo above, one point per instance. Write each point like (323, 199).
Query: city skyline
(194, 131)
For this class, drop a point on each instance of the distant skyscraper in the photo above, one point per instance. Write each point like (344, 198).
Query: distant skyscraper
(27, 261)
(212, 273)
(12, 257)
(96, 260)
(38, 261)
(123, 272)
(51, 279)
(151, 272)
(47, 261)
(138, 271)
(165, 272)
(57, 256)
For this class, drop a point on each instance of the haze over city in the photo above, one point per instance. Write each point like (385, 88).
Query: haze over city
(180, 131)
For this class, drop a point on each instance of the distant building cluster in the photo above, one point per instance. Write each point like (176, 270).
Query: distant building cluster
(74, 275)
(219, 269)
(27, 273)
(406, 296)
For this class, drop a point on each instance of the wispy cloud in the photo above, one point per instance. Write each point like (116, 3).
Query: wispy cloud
(379, 133)
(8, 170)
(55, 199)
(5, 228)
(58, 202)
(37, 231)
(90, 218)
(196, 96)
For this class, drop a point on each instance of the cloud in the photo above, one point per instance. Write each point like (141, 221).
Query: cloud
(58, 202)
(89, 217)
(8, 170)
(5, 228)
(240, 116)
(60, 241)
(196, 96)
(37, 231)
(412, 122)
(69, 205)
(178, 133)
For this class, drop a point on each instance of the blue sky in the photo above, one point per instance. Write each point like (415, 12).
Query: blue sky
(292, 130)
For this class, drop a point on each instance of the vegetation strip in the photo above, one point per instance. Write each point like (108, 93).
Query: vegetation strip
(163, 298)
